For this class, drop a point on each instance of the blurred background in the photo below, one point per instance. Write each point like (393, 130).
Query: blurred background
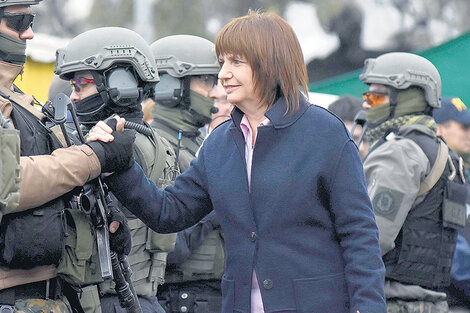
(336, 35)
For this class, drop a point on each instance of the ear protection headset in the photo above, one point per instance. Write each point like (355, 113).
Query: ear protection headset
(169, 90)
(123, 87)
(120, 86)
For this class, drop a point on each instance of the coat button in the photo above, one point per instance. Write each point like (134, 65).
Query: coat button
(268, 284)
(253, 236)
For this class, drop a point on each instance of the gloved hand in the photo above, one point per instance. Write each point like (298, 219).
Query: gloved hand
(119, 241)
(116, 155)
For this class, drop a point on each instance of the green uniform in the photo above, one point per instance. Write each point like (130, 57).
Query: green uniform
(9, 169)
(149, 249)
(196, 265)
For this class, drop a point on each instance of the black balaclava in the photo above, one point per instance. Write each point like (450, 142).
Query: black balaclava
(99, 106)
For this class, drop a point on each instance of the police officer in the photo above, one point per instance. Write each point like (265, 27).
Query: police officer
(32, 241)
(416, 189)
(453, 124)
(184, 99)
(111, 70)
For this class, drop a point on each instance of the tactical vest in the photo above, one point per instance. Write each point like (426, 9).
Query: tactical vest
(204, 263)
(207, 261)
(186, 148)
(425, 245)
(33, 237)
(149, 249)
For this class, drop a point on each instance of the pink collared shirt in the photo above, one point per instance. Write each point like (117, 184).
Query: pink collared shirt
(256, 300)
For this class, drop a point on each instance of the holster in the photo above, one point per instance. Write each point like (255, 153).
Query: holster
(176, 301)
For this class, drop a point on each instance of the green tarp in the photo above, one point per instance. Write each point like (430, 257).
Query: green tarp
(452, 59)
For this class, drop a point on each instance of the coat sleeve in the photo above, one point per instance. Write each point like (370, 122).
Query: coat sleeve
(46, 177)
(355, 226)
(168, 210)
(15, 277)
(394, 172)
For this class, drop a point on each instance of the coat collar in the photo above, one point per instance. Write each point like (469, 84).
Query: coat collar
(276, 113)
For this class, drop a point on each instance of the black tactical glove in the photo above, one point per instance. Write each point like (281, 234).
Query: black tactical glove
(119, 241)
(116, 155)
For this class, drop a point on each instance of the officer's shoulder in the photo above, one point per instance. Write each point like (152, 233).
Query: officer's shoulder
(219, 133)
(223, 124)
(401, 145)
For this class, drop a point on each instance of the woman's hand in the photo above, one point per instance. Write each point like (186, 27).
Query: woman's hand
(112, 145)
(102, 131)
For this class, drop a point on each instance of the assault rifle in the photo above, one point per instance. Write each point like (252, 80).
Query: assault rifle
(93, 201)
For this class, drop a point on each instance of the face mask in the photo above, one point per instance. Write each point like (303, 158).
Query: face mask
(379, 113)
(201, 107)
(92, 109)
(409, 101)
(12, 50)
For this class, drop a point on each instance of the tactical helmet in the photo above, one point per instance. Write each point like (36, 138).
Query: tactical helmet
(7, 3)
(178, 58)
(402, 70)
(99, 49)
(183, 55)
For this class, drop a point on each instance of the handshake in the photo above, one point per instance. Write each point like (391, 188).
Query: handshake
(112, 144)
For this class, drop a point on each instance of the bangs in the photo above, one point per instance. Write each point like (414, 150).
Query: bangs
(237, 39)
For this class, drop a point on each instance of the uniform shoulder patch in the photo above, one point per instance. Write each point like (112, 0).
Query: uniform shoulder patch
(386, 202)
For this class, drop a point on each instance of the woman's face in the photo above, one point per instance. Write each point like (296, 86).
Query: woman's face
(236, 76)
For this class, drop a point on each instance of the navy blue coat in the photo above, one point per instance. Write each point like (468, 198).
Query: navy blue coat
(306, 225)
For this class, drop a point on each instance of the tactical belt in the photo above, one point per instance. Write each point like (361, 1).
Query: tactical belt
(45, 289)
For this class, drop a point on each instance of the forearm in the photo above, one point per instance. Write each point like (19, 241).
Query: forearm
(47, 177)
(15, 277)
(164, 211)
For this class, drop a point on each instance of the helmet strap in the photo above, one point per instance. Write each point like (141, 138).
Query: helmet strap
(100, 86)
(393, 102)
(428, 110)
(185, 103)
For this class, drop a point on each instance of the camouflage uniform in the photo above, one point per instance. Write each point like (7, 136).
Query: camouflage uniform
(42, 306)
